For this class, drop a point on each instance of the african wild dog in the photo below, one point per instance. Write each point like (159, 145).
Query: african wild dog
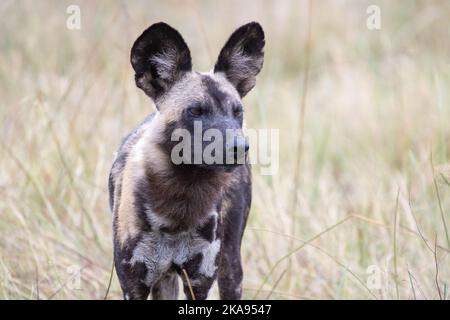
(185, 219)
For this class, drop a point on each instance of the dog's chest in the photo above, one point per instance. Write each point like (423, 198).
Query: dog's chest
(159, 251)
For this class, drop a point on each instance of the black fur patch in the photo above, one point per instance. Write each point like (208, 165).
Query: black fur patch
(119, 164)
(199, 284)
(192, 266)
(218, 97)
(207, 230)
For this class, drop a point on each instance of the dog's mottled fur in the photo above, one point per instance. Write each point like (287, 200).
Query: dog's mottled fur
(183, 220)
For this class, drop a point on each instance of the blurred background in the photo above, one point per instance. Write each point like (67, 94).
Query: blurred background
(360, 208)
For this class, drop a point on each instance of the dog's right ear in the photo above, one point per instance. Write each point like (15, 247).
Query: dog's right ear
(159, 57)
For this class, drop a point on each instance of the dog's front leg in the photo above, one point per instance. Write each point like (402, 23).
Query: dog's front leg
(196, 285)
(200, 271)
(131, 277)
(136, 270)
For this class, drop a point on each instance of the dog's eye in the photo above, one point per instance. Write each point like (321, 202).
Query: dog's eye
(237, 112)
(196, 111)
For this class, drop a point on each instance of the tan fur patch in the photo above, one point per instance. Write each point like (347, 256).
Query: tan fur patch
(145, 151)
(184, 92)
(127, 227)
(224, 209)
(189, 90)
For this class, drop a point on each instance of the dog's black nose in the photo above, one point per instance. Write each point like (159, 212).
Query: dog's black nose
(244, 147)
(240, 145)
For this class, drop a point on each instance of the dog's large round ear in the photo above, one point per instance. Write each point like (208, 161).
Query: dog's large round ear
(242, 57)
(159, 57)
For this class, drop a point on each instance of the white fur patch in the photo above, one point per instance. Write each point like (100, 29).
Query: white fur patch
(208, 266)
(155, 220)
(166, 63)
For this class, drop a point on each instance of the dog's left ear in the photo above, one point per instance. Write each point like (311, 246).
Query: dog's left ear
(241, 59)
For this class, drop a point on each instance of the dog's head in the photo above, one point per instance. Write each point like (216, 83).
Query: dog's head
(193, 103)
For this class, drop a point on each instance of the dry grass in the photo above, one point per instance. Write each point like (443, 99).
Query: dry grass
(374, 178)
